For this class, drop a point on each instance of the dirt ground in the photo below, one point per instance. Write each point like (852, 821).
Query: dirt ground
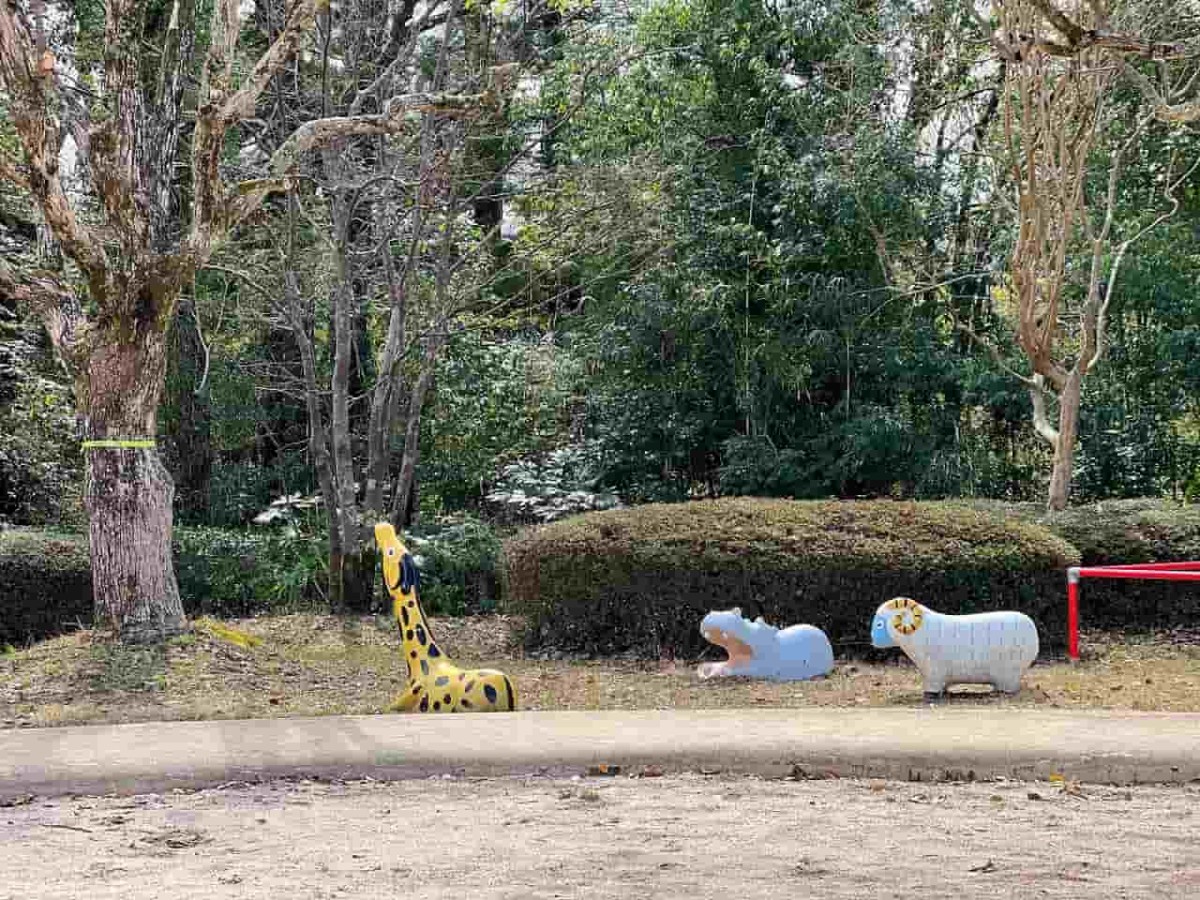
(687, 836)
(307, 665)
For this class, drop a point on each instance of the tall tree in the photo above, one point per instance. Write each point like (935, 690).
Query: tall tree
(1062, 62)
(109, 309)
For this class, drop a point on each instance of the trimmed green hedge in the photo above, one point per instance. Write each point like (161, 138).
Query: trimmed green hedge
(45, 584)
(639, 580)
(1116, 532)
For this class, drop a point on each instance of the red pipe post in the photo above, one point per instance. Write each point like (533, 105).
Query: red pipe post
(1073, 614)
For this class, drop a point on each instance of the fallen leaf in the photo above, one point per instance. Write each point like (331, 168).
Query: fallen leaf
(988, 866)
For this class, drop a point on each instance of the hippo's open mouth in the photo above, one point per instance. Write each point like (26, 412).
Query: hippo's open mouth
(739, 651)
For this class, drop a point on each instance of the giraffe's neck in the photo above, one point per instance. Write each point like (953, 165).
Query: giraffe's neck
(421, 653)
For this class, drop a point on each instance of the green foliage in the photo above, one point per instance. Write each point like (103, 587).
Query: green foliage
(641, 579)
(41, 467)
(458, 561)
(499, 397)
(45, 584)
(226, 573)
(549, 487)
(766, 350)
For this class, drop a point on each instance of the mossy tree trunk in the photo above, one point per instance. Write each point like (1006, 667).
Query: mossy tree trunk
(129, 492)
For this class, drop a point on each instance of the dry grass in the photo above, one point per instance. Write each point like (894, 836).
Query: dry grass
(319, 665)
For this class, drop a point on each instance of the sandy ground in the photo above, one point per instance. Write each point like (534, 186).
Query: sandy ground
(687, 837)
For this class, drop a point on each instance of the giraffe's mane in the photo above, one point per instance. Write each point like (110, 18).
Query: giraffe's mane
(417, 597)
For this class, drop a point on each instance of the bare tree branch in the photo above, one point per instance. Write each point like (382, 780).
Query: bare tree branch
(220, 107)
(31, 97)
(1164, 109)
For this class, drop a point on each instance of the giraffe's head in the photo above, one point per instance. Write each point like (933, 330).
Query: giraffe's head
(399, 570)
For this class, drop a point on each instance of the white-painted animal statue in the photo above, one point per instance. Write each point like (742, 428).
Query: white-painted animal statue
(759, 650)
(986, 648)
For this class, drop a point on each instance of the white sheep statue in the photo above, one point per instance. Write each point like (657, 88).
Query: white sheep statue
(759, 650)
(987, 648)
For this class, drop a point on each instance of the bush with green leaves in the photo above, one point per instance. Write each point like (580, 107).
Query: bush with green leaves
(45, 584)
(458, 561)
(549, 487)
(639, 580)
(227, 573)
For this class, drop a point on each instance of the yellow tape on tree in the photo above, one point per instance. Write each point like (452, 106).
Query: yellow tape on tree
(118, 445)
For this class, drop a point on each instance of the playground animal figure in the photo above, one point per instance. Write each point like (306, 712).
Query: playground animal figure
(759, 650)
(987, 648)
(435, 684)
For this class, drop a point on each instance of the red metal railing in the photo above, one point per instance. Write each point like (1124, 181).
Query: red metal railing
(1168, 571)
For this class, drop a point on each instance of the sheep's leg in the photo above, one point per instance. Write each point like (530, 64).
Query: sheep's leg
(1009, 684)
(935, 683)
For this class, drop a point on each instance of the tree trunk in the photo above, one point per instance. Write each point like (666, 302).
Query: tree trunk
(358, 579)
(128, 492)
(192, 467)
(1068, 436)
(402, 508)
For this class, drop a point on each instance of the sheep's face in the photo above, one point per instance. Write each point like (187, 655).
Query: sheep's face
(899, 616)
(881, 635)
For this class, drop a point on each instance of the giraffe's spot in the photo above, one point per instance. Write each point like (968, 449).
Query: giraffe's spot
(466, 704)
(470, 685)
(437, 705)
(416, 689)
(425, 703)
(422, 639)
(446, 699)
(434, 651)
(424, 667)
(413, 654)
(412, 602)
(408, 635)
(404, 614)
(490, 693)
(442, 680)
(462, 675)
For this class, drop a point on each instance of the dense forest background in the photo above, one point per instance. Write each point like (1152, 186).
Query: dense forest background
(671, 249)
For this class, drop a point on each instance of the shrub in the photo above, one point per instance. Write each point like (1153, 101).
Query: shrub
(544, 489)
(458, 561)
(45, 584)
(1116, 532)
(639, 580)
(227, 573)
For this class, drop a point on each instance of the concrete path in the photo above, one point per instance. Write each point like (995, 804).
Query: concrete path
(930, 743)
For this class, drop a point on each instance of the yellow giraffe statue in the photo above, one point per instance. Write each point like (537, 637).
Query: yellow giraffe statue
(435, 684)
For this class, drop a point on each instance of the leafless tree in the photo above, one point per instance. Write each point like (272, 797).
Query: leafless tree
(1063, 60)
